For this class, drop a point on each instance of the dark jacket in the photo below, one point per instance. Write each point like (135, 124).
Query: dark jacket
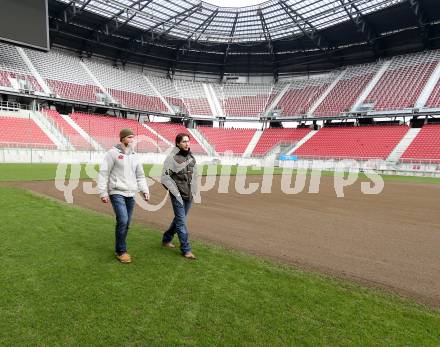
(179, 174)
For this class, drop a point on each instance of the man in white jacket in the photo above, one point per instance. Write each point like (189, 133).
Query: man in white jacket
(121, 176)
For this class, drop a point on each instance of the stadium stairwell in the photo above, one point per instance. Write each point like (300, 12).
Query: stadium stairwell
(403, 145)
(52, 131)
(276, 100)
(85, 135)
(59, 140)
(313, 108)
(213, 101)
(429, 87)
(302, 141)
(252, 143)
(165, 102)
(203, 142)
(34, 71)
(157, 135)
(371, 85)
(99, 84)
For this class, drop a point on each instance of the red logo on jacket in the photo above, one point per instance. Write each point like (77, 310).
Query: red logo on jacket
(121, 156)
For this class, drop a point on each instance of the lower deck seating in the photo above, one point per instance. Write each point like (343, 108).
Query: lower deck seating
(426, 145)
(72, 135)
(272, 137)
(235, 140)
(23, 132)
(105, 130)
(169, 132)
(361, 142)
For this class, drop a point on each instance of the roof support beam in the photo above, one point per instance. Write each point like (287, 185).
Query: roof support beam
(417, 9)
(194, 9)
(228, 46)
(185, 14)
(83, 7)
(305, 26)
(141, 7)
(418, 12)
(362, 25)
(104, 26)
(65, 7)
(70, 11)
(131, 49)
(205, 24)
(268, 38)
(308, 30)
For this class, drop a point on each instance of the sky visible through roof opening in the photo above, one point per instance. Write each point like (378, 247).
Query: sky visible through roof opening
(235, 3)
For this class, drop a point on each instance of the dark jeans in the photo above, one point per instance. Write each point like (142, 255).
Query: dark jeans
(123, 208)
(178, 226)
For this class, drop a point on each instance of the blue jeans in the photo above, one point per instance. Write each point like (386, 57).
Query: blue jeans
(123, 207)
(178, 226)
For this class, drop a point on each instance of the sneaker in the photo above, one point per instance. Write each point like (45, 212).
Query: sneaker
(124, 258)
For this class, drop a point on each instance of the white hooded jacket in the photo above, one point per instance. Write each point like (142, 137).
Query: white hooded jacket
(121, 173)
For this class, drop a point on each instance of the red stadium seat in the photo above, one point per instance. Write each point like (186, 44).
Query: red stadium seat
(426, 145)
(271, 137)
(361, 142)
(235, 140)
(23, 132)
(72, 135)
(169, 132)
(105, 130)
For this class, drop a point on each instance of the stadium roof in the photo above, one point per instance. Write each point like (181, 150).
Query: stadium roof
(200, 21)
(275, 36)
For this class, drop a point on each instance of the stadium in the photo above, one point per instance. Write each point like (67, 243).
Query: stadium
(315, 125)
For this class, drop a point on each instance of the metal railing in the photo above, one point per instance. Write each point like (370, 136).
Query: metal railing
(418, 161)
(12, 106)
(312, 157)
(20, 145)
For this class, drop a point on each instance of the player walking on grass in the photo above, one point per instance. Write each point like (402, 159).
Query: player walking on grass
(121, 176)
(179, 176)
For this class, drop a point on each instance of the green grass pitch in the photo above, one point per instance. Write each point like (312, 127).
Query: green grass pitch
(60, 285)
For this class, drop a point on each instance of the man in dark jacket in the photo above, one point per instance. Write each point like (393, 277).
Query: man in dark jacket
(179, 176)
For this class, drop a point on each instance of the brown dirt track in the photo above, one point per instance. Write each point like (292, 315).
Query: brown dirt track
(390, 240)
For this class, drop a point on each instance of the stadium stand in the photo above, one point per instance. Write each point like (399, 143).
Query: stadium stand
(166, 88)
(222, 140)
(426, 145)
(67, 130)
(169, 132)
(362, 142)
(301, 95)
(403, 81)
(65, 76)
(434, 98)
(12, 66)
(129, 88)
(23, 132)
(273, 136)
(243, 100)
(398, 88)
(194, 97)
(105, 130)
(347, 90)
